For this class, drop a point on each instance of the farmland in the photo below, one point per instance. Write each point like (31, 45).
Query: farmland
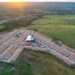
(54, 24)
(36, 63)
(58, 27)
(7, 26)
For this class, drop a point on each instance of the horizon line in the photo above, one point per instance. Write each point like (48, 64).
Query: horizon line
(35, 1)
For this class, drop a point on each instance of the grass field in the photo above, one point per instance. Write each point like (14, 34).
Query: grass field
(14, 24)
(23, 22)
(58, 27)
(37, 63)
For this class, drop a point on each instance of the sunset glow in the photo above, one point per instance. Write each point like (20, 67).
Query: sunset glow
(23, 3)
(37, 0)
(16, 5)
(15, 0)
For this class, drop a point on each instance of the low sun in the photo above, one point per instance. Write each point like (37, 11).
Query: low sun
(16, 5)
(15, 0)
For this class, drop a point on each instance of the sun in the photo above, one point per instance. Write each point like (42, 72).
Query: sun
(16, 5)
(15, 0)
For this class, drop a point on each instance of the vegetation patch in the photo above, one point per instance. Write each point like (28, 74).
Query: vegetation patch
(57, 27)
(38, 63)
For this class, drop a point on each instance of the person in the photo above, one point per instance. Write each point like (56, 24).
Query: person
(18, 34)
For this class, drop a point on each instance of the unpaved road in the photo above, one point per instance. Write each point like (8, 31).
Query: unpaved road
(11, 46)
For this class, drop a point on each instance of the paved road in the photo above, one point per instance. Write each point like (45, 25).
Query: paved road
(11, 47)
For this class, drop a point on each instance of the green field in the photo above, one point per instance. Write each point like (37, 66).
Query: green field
(37, 63)
(57, 27)
(14, 24)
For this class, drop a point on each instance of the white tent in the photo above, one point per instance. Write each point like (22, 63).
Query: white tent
(30, 38)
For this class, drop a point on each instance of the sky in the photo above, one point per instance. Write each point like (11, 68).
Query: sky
(37, 0)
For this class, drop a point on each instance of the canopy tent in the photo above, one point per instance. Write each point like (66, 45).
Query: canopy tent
(30, 38)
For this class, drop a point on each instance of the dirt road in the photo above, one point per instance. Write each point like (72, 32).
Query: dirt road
(11, 46)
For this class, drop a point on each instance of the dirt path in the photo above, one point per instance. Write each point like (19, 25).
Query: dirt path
(11, 47)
